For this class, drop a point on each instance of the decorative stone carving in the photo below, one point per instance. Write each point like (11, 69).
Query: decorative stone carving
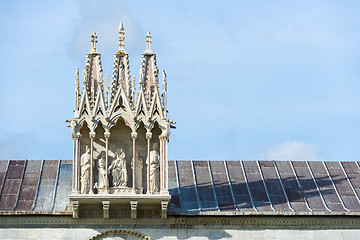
(75, 206)
(85, 170)
(118, 168)
(139, 165)
(132, 120)
(133, 205)
(154, 169)
(164, 205)
(102, 181)
(106, 207)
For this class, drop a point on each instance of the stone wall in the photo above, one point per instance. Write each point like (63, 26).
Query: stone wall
(198, 233)
(60, 227)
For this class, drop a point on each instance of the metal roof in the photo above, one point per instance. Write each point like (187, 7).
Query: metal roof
(202, 187)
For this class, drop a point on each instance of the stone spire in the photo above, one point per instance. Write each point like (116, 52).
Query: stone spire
(121, 37)
(148, 44)
(149, 72)
(93, 41)
(93, 72)
(77, 89)
(164, 91)
(121, 72)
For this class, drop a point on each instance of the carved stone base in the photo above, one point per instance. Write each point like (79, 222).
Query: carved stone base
(118, 190)
(133, 205)
(121, 190)
(164, 206)
(102, 190)
(75, 207)
(106, 207)
(121, 199)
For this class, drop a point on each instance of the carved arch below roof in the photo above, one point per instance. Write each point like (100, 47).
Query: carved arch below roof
(161, 123)
(125, 117)
(81, 123)
(119, 232)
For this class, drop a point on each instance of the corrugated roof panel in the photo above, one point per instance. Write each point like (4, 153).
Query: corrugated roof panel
(174, 204)
(308, 186)
(222, 187)
(10, 192)
(187, 186)
(326, 187)
(63, 187)
(256, 185)
(273, 186)
(291, 186)
(204, 186)
(343, 186)
(238, 183)
(353, 172)
(29, 186)
(46, 190)
(3, 170)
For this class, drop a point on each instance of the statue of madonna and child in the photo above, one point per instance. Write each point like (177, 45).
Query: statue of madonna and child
(118, 170)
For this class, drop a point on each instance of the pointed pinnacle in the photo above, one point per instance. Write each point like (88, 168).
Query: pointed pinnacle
(121, 37)
(93, 40)
(148, 41)
(121, 26)
(148, 44)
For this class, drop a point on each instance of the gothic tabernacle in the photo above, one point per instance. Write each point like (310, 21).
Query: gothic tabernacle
(120, 137)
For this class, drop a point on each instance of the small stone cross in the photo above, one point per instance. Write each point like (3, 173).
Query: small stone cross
(148, 41)
(93, 40)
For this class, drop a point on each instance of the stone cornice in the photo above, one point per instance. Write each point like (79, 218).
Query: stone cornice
(279, 222)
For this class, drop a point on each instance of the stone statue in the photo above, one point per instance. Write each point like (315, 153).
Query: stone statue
(154, 169)
(102, 171)
(118, 168)
(139, 165)
(85, 170)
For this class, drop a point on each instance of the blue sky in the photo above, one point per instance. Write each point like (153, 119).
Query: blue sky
(246, 79)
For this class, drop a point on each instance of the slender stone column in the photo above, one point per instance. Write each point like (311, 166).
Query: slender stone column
(134, 136)
(161, 137)
(75, 164)
(148, 137)
(166, 167)
(92, 136)
(107, 136)
(78, 164)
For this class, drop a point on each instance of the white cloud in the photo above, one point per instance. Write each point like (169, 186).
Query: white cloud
(292, 150)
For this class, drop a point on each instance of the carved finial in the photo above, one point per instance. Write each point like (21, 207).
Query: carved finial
(164, 89)
(107, 89)
(142, 78)
(156, 76)
(164, 81)
(93, 41)
(148, 41)
(121, 36)
(86, 75)
(77, 89)
(148, 44)
(134, 89)
(101, 74)
(92, 100)
(77, 80)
